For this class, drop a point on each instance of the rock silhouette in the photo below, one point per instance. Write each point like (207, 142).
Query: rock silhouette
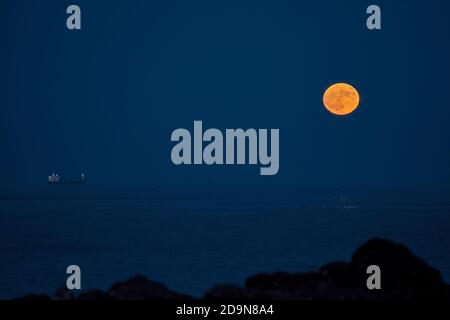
(403, 277)
(140, 288)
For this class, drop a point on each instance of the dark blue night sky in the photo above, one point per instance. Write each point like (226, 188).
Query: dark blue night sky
(105, 100)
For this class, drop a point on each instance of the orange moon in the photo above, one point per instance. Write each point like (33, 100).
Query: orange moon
(341, 99)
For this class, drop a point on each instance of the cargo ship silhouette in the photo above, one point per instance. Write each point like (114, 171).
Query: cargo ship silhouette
(56, 179)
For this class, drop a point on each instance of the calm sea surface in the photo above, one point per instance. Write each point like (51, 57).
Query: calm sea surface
(192, 242)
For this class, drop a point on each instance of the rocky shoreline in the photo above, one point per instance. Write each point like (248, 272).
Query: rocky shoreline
(403, 276)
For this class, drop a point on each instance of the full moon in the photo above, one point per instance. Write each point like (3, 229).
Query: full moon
(341, 99)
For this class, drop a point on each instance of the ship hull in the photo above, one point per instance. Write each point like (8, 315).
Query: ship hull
(68, 182)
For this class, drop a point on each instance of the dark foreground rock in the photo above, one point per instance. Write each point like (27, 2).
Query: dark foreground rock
(135, 288)
(140, 288)
(403, 277)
